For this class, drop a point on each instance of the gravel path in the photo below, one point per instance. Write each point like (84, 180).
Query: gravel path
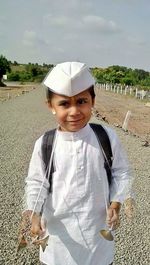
(24, 119)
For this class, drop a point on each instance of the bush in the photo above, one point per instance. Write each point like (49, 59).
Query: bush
(14, 76)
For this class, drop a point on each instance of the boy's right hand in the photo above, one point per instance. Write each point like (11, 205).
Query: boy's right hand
(32, 225)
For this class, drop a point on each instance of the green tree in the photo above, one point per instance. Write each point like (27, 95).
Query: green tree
(127, 81)
(141, 74)
(121, 75)
(14, 76)
(4, 68)
(98, 74)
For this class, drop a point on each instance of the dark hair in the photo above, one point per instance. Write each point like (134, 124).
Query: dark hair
(49, 93)
(92, 92)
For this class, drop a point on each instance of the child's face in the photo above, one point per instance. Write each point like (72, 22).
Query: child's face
(72, 113)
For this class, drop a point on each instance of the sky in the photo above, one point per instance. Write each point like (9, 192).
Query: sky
(100, 33)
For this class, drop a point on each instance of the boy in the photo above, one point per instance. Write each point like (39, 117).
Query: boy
(76, 208)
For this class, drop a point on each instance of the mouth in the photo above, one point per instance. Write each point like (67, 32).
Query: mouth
(75, 121)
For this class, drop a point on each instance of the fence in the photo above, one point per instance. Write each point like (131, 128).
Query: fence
(130, 90)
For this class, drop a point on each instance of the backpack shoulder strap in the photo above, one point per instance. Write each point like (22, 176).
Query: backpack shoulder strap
(47, 144)
(104, 143)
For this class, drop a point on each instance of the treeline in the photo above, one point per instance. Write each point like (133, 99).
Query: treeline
(28, 72)
(113, 74)
(122, 75)
(34, 72)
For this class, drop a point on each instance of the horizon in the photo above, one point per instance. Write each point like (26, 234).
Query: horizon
(89, 66)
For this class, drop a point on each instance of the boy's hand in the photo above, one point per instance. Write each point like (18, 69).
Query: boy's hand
(31, 226)
(38, 225)
(112, 218)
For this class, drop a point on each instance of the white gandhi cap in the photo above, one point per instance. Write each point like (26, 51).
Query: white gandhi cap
(69, 78)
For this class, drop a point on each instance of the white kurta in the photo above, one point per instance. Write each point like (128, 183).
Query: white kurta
(76, 209)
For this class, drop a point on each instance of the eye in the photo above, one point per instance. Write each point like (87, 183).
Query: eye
(63, 103)
(81, 101)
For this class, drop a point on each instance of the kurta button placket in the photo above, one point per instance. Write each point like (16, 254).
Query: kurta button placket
(80, 176)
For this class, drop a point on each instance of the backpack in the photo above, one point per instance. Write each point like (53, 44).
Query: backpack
(103, 141)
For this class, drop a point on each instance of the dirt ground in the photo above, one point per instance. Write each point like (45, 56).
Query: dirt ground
(113, 107)
(109, 106)
(14, 91)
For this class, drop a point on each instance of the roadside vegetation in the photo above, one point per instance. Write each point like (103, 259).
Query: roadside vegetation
(122, 75)
(34, 72)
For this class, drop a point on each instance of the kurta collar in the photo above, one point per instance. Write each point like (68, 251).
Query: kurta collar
(73, 136)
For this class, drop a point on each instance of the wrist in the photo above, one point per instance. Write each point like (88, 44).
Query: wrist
(30, 212)
(26, 213)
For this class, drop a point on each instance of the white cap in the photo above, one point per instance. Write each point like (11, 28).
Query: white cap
(69, 78)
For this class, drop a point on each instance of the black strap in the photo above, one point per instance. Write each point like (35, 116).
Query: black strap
(47, 144)
(104, 142)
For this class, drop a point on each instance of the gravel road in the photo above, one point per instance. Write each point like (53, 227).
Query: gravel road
(23, 120)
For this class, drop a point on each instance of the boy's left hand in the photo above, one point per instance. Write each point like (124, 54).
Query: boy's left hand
(112, 219)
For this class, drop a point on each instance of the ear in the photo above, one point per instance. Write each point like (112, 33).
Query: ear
(50, 107)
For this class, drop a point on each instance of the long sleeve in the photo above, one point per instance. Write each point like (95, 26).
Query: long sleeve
(37, 186)
(122, 178)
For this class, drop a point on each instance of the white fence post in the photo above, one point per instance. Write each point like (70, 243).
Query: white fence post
(136, 93)
(126, 120)
(125, 91)
(121, 90)
(117, 89)
(143, 94)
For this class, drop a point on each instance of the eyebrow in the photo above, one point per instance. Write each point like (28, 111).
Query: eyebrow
(63, 101)
(82, 98)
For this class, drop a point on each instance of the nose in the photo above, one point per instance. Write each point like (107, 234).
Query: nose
(74, 110)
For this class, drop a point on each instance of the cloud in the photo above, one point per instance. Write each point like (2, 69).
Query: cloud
(98, 23)
(31, 39)
(67, 7)
(86, 23)
(58, 50)
(136, 41)
(2, 19)
(71, 37)
(59, 21)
